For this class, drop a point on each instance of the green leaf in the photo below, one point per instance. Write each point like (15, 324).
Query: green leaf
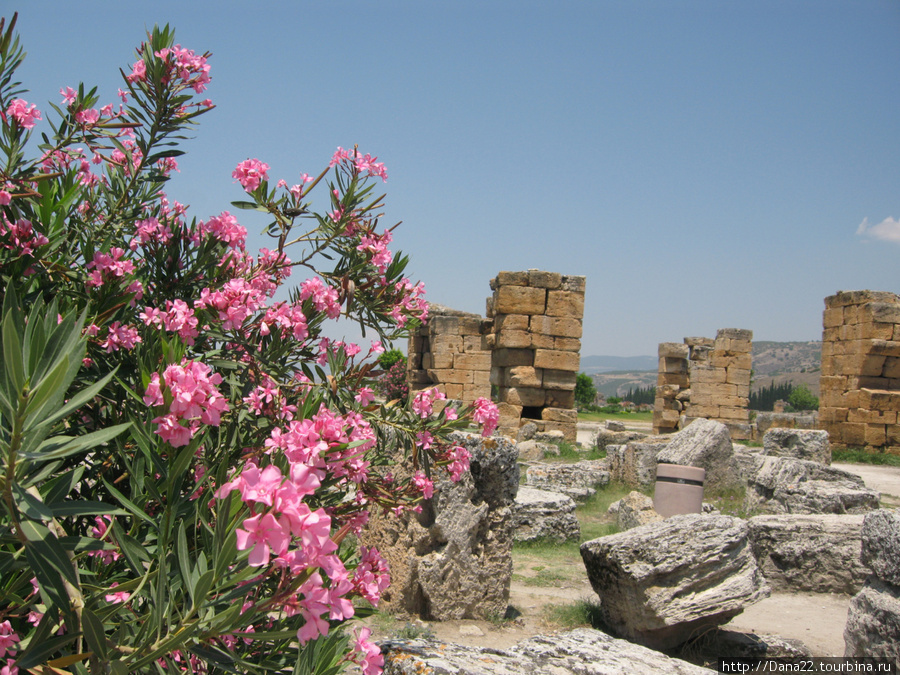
(132, 508)
(84, 508)
(58, 447)
(39, 651)
(94, 633)
(43, 541)
(30, 505)
(202, 587)
(12, 355)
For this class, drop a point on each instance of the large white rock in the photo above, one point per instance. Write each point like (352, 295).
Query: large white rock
(453, 561)
(579, 480)
(540, 514)
(706, 444)
(881, 544)
(663, 583)
(813, 553)
(633, 510)
(811, 444)
(785, 485)
(582, 651)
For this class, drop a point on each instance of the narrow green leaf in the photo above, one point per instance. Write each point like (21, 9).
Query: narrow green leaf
(84, 508)
(181, 552)
(12, 354)
(94, 633)
(202, 587)
(30, 505)
(39, 652)
(58, 447)
(128, 504)
(43, 542)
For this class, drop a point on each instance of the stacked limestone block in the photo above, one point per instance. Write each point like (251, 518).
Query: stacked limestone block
(672, 387)
(536, 348)
(707, 378)
(860, 382)
(451, 352)
(720, 381)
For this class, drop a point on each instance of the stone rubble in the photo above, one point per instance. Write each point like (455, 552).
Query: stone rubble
(582, 651)
(873, 620)
(579, 480)
(811, 444)
(543, 515)
(664, 583)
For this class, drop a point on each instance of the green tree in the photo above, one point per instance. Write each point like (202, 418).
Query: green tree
(802, 398)
(585, 391)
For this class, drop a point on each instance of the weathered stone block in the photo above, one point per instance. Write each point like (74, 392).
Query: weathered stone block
(559, 415)
(512, 357)
(673, 350)
(706, 444)
(810, 444)
(520, 300)
(523, 396)
(541, 279)
(511, 322)
(514, 339)
(666, 582)
(558, 398)
(556, 360)
(565, 303)
(523, 376)
(559, 379)
(544, 515)
(811, 553)
(556, 326)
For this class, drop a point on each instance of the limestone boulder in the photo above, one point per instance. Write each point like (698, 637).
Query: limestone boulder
(579, 480)
(706, 444)
(881, 544)
(663, 583)
(810, 444)
(538, 514)
(785, 485)
(634, 510)
(606, 437)
(873, 622)
(452, 560)
(583, 651)
(635, 462)
(812, 553)
(531, 451)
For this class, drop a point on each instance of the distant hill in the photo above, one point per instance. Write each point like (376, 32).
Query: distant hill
(605, 364)
(778, 362)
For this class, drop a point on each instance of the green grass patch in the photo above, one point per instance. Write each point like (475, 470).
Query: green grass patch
(861, 456)
(584, 612)
(568, 453)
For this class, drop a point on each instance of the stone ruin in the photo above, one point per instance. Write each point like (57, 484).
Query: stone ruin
(705, 378)
(451, 352)
(860, 382)
(528, 348)
(536, 340)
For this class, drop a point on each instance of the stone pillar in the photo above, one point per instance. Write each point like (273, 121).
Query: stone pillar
(451, 352)
(671, 382)
(720, 381)
(707, 378)
(860, 382)
(536, 348)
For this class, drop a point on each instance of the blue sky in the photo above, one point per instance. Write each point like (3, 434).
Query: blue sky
(704, 164)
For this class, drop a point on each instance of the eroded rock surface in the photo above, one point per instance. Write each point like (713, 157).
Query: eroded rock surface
(539, 514)
(810, 444)
(814, 553)
(579, 480)
(634, 510)
(706, 444)
(452, 561)
(583, 651)
(666, 582)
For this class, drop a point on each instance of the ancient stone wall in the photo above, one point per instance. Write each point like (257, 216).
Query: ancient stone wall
(451, 352)
(537, 324)
(707, 378)
(860, 382)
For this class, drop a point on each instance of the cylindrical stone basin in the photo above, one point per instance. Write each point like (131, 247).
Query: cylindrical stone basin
(679, 489)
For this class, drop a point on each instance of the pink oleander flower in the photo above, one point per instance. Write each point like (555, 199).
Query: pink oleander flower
(87, 117)
(264, 535)
(423, 401)
(119, 596)
(5, 197)
(26, 114)
(68, 95)
(487, 414)
(119, 337)
(250, 173)
(364, 396)
(424, 485)
(459, 463)
(8, 639)
(366, 654)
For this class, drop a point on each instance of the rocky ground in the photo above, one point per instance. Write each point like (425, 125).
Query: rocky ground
(539, 586)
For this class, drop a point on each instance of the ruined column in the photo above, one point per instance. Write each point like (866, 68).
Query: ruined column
(860, 383)
(536, 348)
(451, 352)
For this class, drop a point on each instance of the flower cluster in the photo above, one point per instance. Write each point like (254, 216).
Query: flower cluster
(190, 388)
